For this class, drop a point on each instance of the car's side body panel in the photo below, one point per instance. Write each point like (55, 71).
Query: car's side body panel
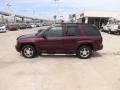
(62, 43)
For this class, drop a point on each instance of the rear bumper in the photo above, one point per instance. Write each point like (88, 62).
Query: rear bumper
(100, 47)
(13, 29)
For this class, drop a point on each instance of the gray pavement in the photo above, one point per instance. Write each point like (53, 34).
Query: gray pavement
(59, 72)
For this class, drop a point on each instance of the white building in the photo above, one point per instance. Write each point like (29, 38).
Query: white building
(4, 17)
(97, 17)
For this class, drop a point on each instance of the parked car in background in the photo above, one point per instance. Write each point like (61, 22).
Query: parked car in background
(2, 28)
(106, 28)
(28, 26)
(80, 39)
(115, 28)
(12, 27)
(112, 26)
(45, 24)
(33, 25)
(22, 26)
(18, 25)
(37, 25)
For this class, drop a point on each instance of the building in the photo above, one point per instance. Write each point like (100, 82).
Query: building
(7, 18)
(72, 18)
(3, 17)
(96, 17)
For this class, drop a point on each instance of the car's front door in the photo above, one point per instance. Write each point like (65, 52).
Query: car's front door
(53, 40)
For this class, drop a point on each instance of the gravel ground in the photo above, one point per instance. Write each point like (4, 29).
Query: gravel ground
(59, 72)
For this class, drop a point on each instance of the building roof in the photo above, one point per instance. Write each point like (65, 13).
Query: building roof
(20, 16)
(104, 14)
(5, 13)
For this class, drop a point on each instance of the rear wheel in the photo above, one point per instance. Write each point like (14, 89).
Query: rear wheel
(28, 51)
(84, 52)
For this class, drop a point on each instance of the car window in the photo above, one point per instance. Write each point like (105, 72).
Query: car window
(91, 30)
(72, 31)
(54, 32)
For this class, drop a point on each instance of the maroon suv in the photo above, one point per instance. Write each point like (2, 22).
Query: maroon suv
(12, 27)
(80, 39)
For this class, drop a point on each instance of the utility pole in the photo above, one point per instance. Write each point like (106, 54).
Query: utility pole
(34, 16)
(8, 5)
(55, 16)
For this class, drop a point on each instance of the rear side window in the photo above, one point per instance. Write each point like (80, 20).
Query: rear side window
(91, 30)
(72, 31)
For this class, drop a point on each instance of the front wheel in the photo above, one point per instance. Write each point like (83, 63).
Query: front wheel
(119, 33)
(28, 51)
(102, 30)
(84, 52)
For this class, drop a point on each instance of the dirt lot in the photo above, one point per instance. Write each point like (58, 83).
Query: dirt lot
(59, 72)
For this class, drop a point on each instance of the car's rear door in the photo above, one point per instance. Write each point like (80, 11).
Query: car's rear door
(71, 37)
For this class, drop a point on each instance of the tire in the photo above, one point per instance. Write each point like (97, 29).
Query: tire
(102, 30)
(84, 52)
(118, 33)
(28, 51)
(109, 32)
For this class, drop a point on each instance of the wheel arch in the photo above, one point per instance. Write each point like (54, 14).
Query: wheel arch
(86, 44)
(27, 44)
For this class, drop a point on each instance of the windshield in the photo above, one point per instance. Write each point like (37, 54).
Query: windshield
(43, 30)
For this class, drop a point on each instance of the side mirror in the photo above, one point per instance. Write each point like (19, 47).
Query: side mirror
(44, 36)
(40, 30)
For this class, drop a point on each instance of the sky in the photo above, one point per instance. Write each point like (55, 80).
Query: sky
(46, 9)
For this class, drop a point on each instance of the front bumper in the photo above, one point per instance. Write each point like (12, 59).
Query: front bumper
(2, 31)
(18, 47)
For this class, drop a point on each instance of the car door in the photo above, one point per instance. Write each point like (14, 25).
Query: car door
(71, 38)
(53, 40)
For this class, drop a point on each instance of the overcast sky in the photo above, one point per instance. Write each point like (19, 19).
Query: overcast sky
(47, 8)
